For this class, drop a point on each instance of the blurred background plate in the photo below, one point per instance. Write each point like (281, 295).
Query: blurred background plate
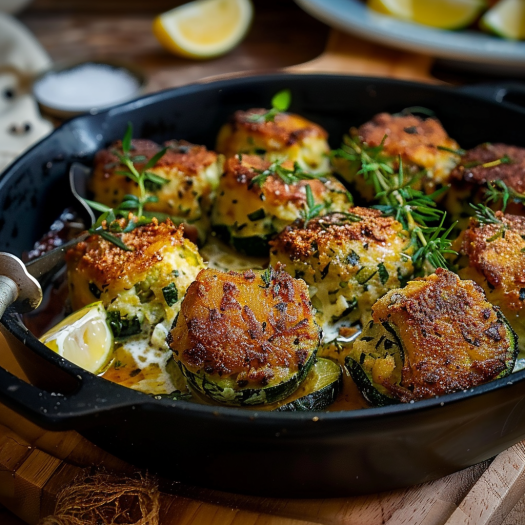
(470, 49)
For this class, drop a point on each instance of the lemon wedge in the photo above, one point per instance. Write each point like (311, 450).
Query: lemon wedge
(84, 338)
(443, 14)
(506, 19)
(204, 28)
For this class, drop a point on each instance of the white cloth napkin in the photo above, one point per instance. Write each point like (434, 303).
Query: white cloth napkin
(21, 59)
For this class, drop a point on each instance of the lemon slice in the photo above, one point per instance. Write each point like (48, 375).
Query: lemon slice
(205, 28)
(506, 19)
(443, 14)
(84, 338)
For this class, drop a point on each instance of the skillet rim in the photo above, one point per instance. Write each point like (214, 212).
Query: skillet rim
(16, 328)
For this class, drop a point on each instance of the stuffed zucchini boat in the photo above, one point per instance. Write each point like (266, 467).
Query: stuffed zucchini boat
(245, 338)
(436, 336)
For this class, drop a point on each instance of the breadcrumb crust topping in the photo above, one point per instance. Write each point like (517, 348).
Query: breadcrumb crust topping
(105, 263)
(472, 169)
(301, 243)
(415, 139)
(239, 324)
(286, 129)
(453, 338)
(186, 157)
(499, 258)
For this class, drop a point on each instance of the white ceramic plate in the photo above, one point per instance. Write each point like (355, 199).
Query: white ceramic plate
(475, 49)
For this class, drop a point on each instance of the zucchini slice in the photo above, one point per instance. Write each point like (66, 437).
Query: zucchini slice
(319, 390)
(436, 336)
(381, 358)
(227, 392)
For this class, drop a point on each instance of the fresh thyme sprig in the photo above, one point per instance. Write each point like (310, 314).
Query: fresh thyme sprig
(132, 207)
(280, 103)
(288, 176)
(497, 191)
(396, 197)
(311, 210)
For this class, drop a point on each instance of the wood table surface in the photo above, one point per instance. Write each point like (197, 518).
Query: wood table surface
(35, 464)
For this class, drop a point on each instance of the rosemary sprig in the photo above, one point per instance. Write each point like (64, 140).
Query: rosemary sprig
(132, 207)
(311, 210)
(397, 198)
(485, 215)
(497, 191)
(280, 103)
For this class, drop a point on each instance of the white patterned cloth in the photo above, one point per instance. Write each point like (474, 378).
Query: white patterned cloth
(21, 58)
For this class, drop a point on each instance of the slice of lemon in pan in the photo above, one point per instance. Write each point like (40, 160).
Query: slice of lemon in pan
(506, 19)
(204, 28)
(443, 14)
(84, 338)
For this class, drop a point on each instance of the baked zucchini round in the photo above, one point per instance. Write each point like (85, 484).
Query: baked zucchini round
(436, 336)
(493, 255)
(245, 338)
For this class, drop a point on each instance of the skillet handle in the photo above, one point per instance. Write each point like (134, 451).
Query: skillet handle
(86, 401)
(508, 93)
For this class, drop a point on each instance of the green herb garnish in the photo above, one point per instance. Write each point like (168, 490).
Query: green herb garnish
(280, 103)
(311, 210)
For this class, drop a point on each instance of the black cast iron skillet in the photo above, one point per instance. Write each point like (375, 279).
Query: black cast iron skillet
(279, 454)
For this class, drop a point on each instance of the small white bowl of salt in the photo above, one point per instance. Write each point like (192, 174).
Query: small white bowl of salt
(68, 90)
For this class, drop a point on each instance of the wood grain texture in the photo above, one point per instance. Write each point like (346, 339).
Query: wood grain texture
(498, 490)
(348, 54)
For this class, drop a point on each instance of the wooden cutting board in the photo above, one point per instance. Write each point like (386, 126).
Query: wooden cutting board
(35, 465)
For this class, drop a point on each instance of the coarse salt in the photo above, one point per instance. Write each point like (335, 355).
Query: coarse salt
(86, 87)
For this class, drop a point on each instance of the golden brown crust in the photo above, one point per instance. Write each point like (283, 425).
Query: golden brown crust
(473, 171)
(285, 129)
(243, 326)
(241, 170)
(453, 338)
(181, 155)
(321, 233)
(414, 139)
(499, 258)
(102, 262)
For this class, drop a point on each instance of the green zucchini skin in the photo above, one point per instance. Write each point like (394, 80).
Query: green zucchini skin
(324, 392)
(512, 355)
(206, 385)
(366, 386)
(256, 246)
(376, 398)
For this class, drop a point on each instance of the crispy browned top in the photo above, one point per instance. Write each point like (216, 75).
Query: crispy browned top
(104, 263)
(407, 135)
(321, 233)
(181, 155)
(453, 338)
(286, 128)
(241, 170)
(497, 257)
(243, 326)
(471, 169)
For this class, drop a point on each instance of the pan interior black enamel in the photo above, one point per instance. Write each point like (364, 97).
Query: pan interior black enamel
(285, 455)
